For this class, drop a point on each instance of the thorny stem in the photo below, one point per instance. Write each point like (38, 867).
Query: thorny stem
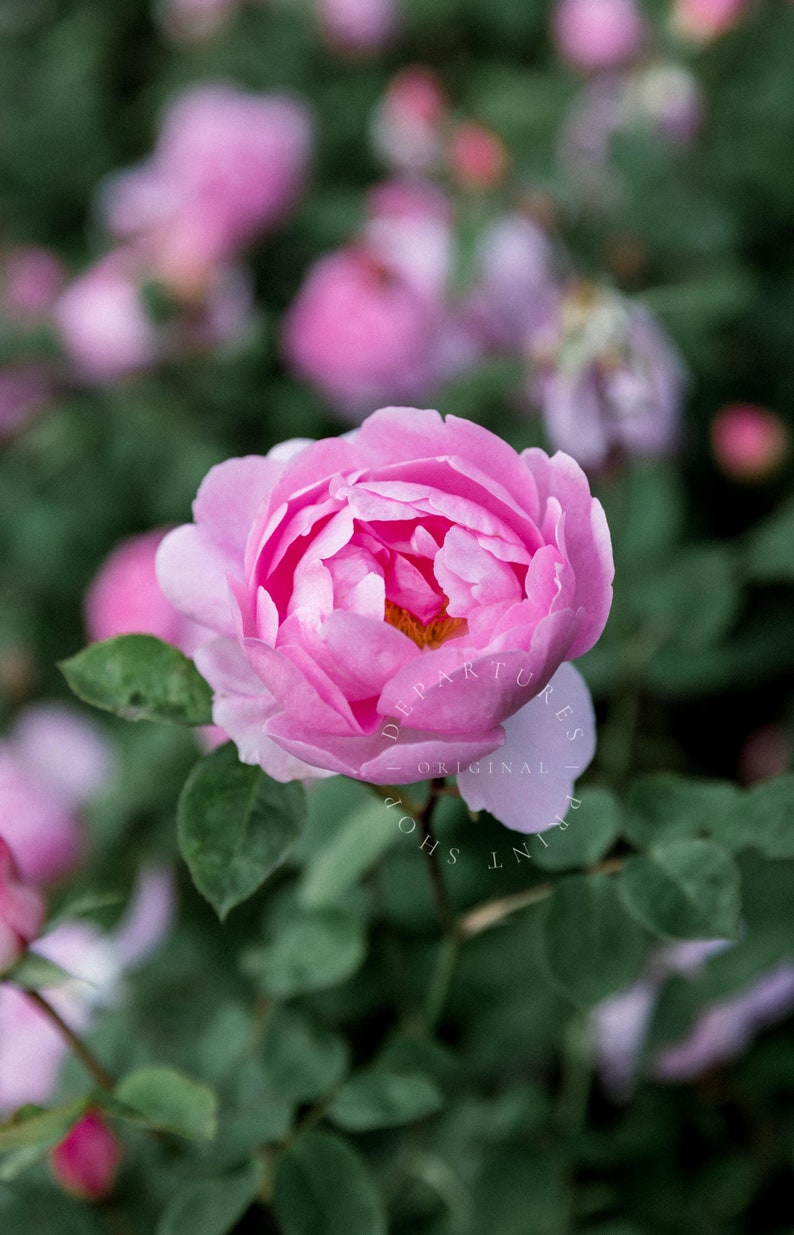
(89, 1062)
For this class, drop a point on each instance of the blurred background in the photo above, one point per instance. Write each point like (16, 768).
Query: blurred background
(226, 223)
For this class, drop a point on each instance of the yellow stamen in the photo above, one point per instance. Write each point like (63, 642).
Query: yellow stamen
(437, 631)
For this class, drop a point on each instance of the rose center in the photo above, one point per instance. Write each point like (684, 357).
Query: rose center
(437, 631)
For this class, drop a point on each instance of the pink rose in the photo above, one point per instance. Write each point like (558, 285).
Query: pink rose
(22, 910)
(102, 321)
(598, 34)
(228, 166)
(125, 597)
(389, 603)
(51, 764)
(358, 26)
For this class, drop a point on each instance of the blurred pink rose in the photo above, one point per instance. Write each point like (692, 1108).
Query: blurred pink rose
(125, 597)
(51, 764)
(393, 599)
(407, 128)
(704, 20)
(598, 34)
(607, 378)
(228, 166)
(766, 753)
(86, 1162)
(32, 1050)
(749, 443)
(358, 26)
(30, 280)
(22, 910)
(362, 333)
(102, 321)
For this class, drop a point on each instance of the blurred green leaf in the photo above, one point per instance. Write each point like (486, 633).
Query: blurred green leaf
(686, 889)
(316, 950)
(663, 807)
(592, 829)
(169, 1101)
(380, 1098)
(140, 678)
(768, 552)
(358, 843)
(322, 1185)
(236, 826)
(304, 1060)
(212, 1206)
(588, 945)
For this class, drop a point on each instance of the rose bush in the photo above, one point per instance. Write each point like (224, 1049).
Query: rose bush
(387, 603)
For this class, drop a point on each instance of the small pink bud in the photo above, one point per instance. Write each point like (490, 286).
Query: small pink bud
(87, 1160)
(358, 27)
(749, 443)
(598, 34)
(407, 124)
(477, 157)
(22, 910)
(32, 278)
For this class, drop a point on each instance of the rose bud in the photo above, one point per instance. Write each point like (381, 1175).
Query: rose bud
(477, 157)
(102, 321)
(593, 35)
(394, 603)
(703, 20)
(22, 910)
(31, 280)
(407, 126)
(750, 443)
(86, 1162)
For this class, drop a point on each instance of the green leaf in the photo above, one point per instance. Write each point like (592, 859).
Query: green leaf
(235, 827)
(140, 678)
(32, 1127)
(769, 553)
(170, 1101)
(665, 807)
(303, 1059)
(380, 1098)
(687, 889)
(764, 818)
(34, 973)
(665, 598)
(357, 845)
(588, 946)
(212, 1206)
(315, 951)
(592, 829)
(322, 1186)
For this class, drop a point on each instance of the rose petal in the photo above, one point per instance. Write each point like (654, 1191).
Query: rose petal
(554, 732)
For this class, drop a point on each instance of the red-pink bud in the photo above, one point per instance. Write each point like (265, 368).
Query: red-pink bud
(749, 442)
(22, 910)
(87, 1160)
(477, 157)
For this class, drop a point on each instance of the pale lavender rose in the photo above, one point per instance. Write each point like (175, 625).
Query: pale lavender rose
(22, 910)
(727, 1027)
(607, 378)
(31, 1049)
(31, 278)
(228, 167)
(102, 321)
(667, 98)
(514, 284)
(52, 764)
(593, 35)
(619, 1024)
(389, 602)
(358, 26)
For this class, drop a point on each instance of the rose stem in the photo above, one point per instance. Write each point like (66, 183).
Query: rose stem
(102, 1078)
(445, 911)
(483, 917)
